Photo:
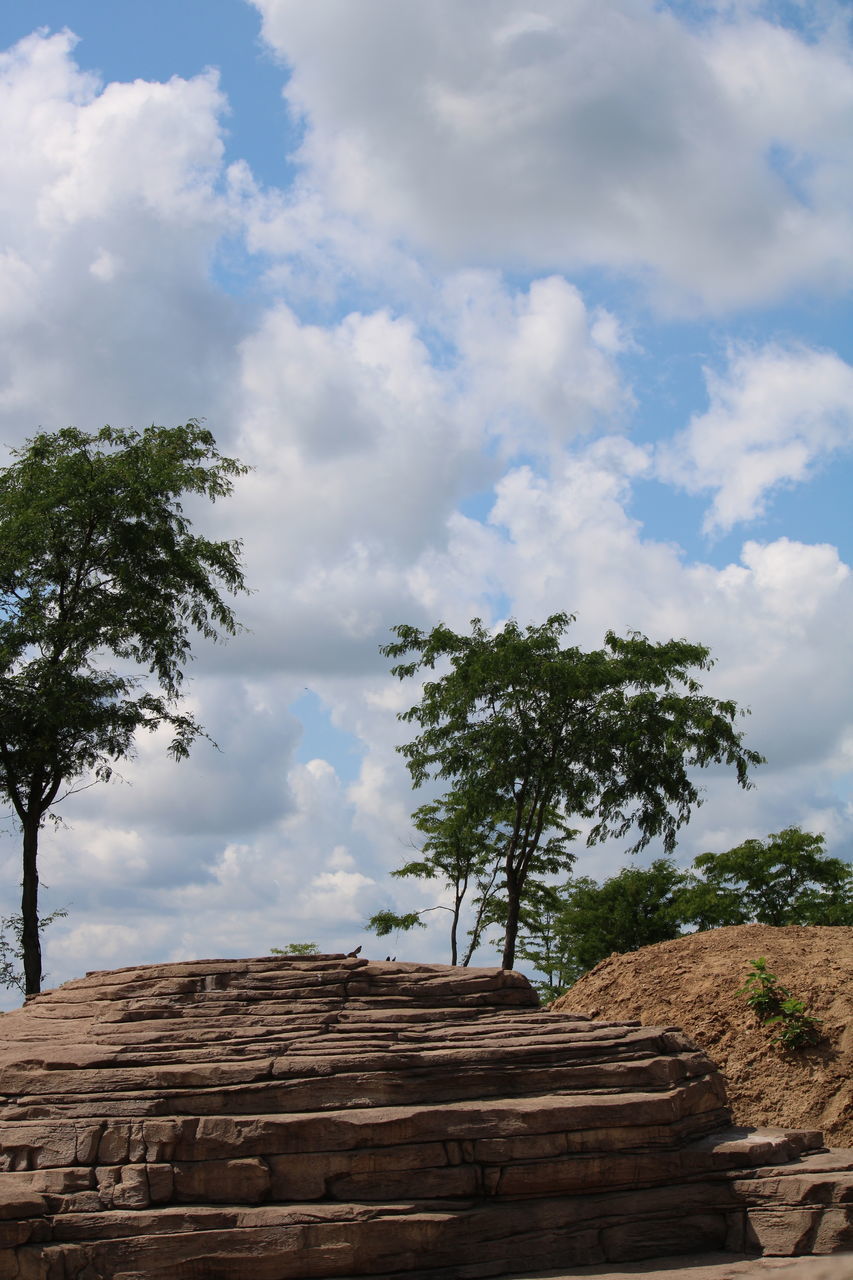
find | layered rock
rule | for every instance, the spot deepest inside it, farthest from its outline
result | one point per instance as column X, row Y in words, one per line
column 328, row 1116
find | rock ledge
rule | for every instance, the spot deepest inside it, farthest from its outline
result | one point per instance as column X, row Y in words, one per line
column 327, row 1116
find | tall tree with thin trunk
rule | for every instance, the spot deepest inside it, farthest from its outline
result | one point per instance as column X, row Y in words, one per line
column 525, row 729
column 460, row 855
column 466, row 857
column 99, row 565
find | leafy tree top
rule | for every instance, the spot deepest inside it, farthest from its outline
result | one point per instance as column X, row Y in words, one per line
column 610, row 734
column 96, row 559
column 786, row 879
column 97, row 553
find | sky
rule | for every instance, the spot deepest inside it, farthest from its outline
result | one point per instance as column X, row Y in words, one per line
column 514, row 307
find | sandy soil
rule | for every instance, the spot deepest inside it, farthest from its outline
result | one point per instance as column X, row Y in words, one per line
column 691, row 983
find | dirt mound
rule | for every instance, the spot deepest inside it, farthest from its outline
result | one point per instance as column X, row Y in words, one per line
column 691, row 983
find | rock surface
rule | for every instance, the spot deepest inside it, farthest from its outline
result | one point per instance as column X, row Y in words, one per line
column 716, row 1266
column 328, row 1116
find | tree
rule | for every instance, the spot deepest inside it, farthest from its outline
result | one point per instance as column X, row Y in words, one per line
column 524, row 729
column 98, row 562
column 637, row 907
column 458, row 852
column 542, row 938
column 11, row 953
column 467, row 854
column 786, row 879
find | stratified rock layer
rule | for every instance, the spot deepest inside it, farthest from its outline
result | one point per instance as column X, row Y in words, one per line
column 327, row 1116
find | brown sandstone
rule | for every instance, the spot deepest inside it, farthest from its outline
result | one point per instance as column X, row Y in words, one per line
column 327, row 1116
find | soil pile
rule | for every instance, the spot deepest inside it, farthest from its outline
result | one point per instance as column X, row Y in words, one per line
column 692, row 983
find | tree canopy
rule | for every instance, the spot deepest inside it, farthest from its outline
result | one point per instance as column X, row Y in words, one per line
column 525, row 729
column 460, row 853
column 786, row 879
column 99, row 563
column 633, row 909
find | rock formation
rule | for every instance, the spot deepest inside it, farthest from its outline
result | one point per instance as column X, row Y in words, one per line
column 328, row 1116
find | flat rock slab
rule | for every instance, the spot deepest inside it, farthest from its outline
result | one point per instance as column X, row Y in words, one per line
column 717, row 1266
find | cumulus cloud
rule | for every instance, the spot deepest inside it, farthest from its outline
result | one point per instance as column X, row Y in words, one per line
column 556, row 136
column 366, row 440
column 348, row 421
column 113, row 200
column 777, row 621
column 535, row 366
column 775, row 414
column 439, row 416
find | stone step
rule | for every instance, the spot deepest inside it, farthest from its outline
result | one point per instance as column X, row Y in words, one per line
column 285, row 1242
column 672, row 1117
column 335, row 1046
column 399, row 982
column 377, row 1089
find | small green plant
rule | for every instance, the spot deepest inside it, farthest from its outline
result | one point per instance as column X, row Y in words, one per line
column 764, row 993
column 296, row 949
column 796, row 1028
column 774, row 1005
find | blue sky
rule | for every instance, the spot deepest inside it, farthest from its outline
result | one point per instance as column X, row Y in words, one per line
column 514, row 308
column 159, row 40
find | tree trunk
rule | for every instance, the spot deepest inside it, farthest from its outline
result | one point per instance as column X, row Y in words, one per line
column 30, row 940
column 513, row 910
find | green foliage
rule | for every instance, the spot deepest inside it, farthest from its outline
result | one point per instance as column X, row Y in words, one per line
column 531, row 734
column 786, row 879
column 296, row 949
column 796, row 1029
column 633, row 909
column 466, row 858
column 542, row 939
column 794, row 882
column 774, row 1006
column 574, row 925
column 790, row 881
column 12, row 952
column 384, row 922
column 460, row 853
column 764, row 993
column 98, row 562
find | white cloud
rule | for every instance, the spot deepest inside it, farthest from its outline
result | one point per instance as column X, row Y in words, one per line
column 777, row 622
column 365, row 442
column 236, row 790
column 112, row 202
column 340, row 895
column 360, row 427
column 534, row 365
column 103, row 946
column 351, row 430
column 528, row 136
column 794, row 580
column 775, row 414
column 554, row 136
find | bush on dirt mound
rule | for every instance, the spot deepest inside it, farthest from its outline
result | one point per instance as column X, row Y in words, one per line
column 692, row 982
